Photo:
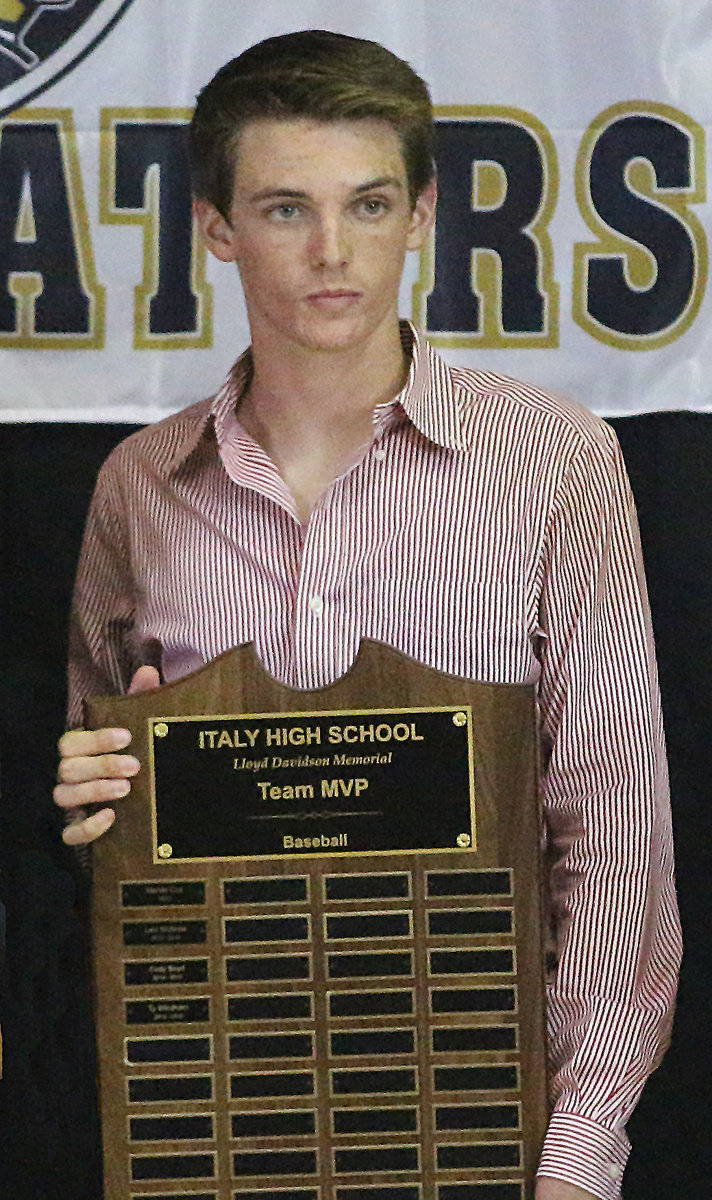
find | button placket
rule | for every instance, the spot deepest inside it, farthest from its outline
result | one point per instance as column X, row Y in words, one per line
column 310, row 604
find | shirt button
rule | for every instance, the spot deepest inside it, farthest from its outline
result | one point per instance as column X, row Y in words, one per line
column 379, row 454
column 316, row 604
column 614, row 1170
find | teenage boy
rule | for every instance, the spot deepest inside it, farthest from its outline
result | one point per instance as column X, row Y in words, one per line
column 345, row 483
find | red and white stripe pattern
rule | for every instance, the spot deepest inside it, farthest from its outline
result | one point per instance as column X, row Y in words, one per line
column 488, row 531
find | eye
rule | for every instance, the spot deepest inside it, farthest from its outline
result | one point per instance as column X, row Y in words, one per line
column 284, row 212
column 373, row 206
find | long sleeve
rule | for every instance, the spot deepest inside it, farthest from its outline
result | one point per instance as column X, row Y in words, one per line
column 103, row 608
column 607, row 812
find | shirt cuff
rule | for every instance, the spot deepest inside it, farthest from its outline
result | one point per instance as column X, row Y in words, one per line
column 586, row 1154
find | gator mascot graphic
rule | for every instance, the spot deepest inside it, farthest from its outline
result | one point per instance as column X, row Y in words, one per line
column 16, row 19
column 42, row 39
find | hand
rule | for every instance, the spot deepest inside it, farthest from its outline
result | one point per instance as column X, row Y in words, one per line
column 556, row 1189
column 92, row 772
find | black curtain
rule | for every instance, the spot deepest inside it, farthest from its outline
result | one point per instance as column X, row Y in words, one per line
column 48, row 1122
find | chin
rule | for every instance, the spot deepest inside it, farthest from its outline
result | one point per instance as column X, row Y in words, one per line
column 336, row 335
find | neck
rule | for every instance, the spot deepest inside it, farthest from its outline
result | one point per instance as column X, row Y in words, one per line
column 315, row 388
column 313, row 411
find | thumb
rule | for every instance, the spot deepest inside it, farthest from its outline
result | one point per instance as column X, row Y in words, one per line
column 145, row 679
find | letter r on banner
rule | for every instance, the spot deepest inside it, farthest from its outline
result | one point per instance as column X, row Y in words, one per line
column 488, row 275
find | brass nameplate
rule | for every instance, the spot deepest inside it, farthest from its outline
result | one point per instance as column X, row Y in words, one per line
column 361, row 781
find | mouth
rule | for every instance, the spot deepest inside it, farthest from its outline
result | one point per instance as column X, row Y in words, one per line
column 334, row 297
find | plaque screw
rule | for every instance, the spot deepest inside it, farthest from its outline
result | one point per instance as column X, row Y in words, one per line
column 161, row 729
column 165, row 850
column 463, row 839
column 459, row 718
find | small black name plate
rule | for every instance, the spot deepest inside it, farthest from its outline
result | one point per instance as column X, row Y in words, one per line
column 175, row 893
column 312, row 783
column 164, row 933
column 172, row 970
column 179, row 1010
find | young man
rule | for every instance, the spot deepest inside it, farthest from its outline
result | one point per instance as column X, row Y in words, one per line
column 345, row 483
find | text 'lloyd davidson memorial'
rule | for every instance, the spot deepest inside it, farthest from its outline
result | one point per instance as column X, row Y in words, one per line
column 317, row 939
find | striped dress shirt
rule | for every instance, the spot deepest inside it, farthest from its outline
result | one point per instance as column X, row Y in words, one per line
column 488, row 531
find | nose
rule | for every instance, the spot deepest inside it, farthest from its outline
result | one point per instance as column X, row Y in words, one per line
column 330, row 243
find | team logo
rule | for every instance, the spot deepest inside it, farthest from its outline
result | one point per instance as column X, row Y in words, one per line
column 40, row 40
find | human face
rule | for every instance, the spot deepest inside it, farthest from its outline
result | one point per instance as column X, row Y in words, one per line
column 319, row 225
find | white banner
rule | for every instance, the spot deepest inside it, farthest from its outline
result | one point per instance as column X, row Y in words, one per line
column 571, row 245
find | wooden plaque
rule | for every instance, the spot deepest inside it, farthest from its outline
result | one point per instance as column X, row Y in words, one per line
column 317, row 939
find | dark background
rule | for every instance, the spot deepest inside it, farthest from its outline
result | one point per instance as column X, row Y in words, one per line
column 48, row 1123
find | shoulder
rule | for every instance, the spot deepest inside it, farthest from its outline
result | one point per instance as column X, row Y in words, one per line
column 157, row 449
column 488, row 399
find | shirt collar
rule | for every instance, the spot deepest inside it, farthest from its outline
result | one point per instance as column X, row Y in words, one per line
column 211, row 416
column 430, row 399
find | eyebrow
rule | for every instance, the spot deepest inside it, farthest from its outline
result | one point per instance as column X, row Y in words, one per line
column 381, row 181
column 293, row 194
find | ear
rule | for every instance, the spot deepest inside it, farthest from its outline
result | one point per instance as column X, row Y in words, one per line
column 423, row 216
column 215, row 231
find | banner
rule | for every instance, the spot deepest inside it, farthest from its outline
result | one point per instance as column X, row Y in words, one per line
column 571, row 243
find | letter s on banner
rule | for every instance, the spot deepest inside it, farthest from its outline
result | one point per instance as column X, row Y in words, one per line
column 639, row 167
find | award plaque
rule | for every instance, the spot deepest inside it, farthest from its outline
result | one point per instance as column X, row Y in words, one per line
column 317, row 939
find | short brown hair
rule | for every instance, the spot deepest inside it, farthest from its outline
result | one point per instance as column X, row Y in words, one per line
column 313, row 73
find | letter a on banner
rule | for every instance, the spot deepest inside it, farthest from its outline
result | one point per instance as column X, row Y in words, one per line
column 49, row 294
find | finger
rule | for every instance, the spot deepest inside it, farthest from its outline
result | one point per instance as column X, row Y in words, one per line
column 88, row 829
column 81, row 769
column 92, row 741
column 98, row 791
column 145, row 678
